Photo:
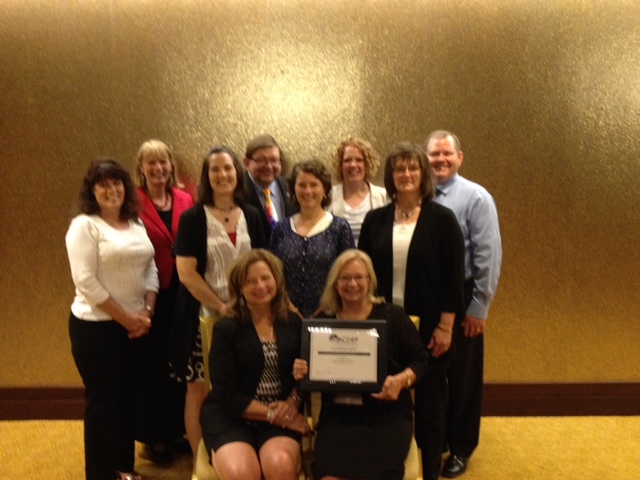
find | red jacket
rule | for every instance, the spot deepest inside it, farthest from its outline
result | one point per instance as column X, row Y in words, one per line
column 160, row 237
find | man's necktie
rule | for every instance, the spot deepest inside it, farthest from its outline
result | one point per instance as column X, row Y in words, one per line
column 272, row 215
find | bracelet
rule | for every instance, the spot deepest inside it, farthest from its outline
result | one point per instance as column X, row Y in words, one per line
column 295, row 398
column 444, row 329
column 408, row 378
column 150, row 310
column 270, row 414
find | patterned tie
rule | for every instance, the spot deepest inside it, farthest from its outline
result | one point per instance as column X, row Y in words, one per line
column 272, row 215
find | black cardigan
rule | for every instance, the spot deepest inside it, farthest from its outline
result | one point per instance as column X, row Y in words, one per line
column 435, row 263
column 186, row 315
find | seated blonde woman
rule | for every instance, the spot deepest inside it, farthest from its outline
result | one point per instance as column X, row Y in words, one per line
column 367, row 436
column 250, row 420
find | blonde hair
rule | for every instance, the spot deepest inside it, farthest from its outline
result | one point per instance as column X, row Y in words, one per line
column 371, row 158
column 331, row 302
column 238, row 276
column 156, row 149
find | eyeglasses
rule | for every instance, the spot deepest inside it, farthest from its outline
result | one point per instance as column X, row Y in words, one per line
column 360, row 279
column 263, row 162
column 412, row 169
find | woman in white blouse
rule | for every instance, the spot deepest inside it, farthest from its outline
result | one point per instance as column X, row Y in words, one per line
column 116, row 282
column 355, row 163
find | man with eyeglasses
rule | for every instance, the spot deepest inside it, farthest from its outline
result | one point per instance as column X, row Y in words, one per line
column 267, row 189
column 476, row 212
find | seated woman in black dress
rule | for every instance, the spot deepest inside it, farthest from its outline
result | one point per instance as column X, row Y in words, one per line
column 367, row 435
column 250, row 420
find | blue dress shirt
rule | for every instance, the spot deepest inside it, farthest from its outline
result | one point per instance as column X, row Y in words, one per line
column 476, row 212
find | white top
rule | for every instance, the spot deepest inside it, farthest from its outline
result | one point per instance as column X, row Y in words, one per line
column 355, row 216
column 402, row 235
column 107, row 262
column 221, row 254
column 320, row 226
column 376, row 198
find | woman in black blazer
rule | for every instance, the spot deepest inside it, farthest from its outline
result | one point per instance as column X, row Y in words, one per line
column 250, row 420
column 417, row 251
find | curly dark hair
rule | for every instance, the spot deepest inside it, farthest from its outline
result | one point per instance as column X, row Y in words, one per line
column 405, row 152
column 205, row 191
column 108, row 169
column 316, row 168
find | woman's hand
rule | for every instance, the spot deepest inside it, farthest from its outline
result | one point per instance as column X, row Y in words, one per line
column 137, row 324
column 286, row 416
column 283, row 413
column 440, row 342
column 391, row 388
column 442, row 335
column 300, row 369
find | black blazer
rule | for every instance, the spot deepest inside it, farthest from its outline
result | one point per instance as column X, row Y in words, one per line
column 236, row 362
column 192, row 241
column 435, row 263
column 255, row 201
column 404, row 349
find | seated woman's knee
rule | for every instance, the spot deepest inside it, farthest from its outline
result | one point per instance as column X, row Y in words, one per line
column 280, row 457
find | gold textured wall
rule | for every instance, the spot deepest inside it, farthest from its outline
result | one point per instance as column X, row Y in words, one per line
column 544, row 95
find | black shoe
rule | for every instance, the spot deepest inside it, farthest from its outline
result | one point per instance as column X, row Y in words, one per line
column 181, row 446
column 158, row 453
column 454, row 466
column 445, row 448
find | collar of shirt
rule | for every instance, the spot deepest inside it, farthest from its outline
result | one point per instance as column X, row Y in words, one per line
column 445, row 188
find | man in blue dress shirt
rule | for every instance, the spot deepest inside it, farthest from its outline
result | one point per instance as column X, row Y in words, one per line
column 478, row 218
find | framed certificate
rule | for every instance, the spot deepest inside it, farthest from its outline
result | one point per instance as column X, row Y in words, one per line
column 344, row 355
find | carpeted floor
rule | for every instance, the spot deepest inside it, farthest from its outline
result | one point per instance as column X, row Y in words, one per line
column 511, row 448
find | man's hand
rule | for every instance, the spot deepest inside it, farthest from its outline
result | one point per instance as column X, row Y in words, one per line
column 473, row 326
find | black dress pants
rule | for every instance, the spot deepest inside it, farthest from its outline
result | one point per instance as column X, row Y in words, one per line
column 159, row 411
column 465, row 378
column 431, row 407
column 102, row 352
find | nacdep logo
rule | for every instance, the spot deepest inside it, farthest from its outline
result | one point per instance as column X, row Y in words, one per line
column 335, row 338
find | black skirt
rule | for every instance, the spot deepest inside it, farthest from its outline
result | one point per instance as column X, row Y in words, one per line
column 350, row 443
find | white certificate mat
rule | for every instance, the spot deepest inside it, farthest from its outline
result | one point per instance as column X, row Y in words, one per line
column 344, row 355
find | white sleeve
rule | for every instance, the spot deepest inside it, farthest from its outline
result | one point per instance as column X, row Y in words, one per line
column 82, row 249
column 151, row 281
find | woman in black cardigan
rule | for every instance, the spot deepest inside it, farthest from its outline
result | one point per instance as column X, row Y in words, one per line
column 210, row 237
column 417, row 251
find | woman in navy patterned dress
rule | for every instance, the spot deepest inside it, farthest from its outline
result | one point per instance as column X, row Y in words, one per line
column 309, row 241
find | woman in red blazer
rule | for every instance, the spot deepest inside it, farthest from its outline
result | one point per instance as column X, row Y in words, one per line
column 160, row 412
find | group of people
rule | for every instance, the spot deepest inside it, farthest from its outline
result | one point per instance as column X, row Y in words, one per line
column 258, row 252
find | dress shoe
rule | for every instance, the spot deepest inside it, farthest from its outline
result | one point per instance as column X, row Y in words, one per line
column 455, row 466
column 158, row 453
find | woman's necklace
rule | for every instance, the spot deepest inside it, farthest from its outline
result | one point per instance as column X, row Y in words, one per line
column 409, row 214
column 226, row 211
column 165, row 204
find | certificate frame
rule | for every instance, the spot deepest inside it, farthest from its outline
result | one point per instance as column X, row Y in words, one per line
column 346, row 349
